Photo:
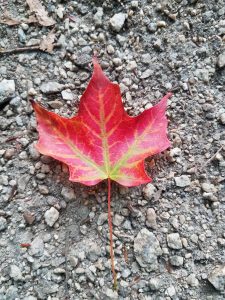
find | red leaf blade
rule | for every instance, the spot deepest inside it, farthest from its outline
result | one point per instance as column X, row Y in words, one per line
column 102, row 141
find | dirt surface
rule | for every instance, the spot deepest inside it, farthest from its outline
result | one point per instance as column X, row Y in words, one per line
column 169, row 236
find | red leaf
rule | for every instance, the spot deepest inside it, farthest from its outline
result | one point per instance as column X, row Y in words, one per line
column 102, row 141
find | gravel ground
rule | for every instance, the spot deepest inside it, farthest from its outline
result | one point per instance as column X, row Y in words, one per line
column 169, row 235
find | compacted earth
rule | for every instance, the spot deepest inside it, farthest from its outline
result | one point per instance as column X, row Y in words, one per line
column 169, row 235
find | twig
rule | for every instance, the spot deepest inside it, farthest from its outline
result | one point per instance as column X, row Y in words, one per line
column 23, row 49
column 211, row 158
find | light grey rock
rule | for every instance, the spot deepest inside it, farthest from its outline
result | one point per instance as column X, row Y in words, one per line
column 3, row 224
column 176, row 260
column 4, row 180
column 147, row 73
column 4, row 123
column 171, row 291
column 15, row 273
column 51, row 216
column 146, row 58
column 151, row 218
column 182, row 181
column 149, row 191
column 221, row 60
column 7, row 89
column 209, row 187
column 67, row 94
column 21, row 35
column 117, row 21
column 110, row 294
column 103, row 217
column 68, row 193
column 37, row 247
column 155, row 284
column 175, row 152
column 93, row 251
column 110, row 49
column 3, row 70
column 22, row 182
column 51, row 87
column 126, row 273
column 30, row 298
column 98, row 16
column 217, row 278
column 11, row 293
column 60, row 11
column 202, row 74
column 152, row 27
column 192, row 280
column 222, row 118
column 174, row 241
column 118, row 220
column 147, row 249
column 33, row 152
column 158, row 44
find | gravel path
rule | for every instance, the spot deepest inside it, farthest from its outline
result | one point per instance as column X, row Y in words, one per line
column 169, row 235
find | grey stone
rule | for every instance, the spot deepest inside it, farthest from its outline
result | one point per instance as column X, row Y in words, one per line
column 126, row 273
column 98, row 16
column 60, row 11
column 221, row 60
column 4, row 180
column 147, row 73
column 158, row 44
column 118, row 220
column 51, row 87
column 217, row 278
column 15, row 273
column 117, row 21
column 16, row 101
column 155, row 284
column 21, row 35
column 147, row 249
column 67, row 95
column 33, row 152
column 192, row 280
column 110, row 294
column 68, row 193
column 174, row 241
column 22, row 182
column 30, row 298
column 146, row 58
column 4, row 123
column 171, row 291
column 7, row 89
column 202, row 74
column 149, row 191
column 176, row 260
column 209, row 187
column 93, row 251
column 37, row 247
column 222, row 118
column 182, row 181
column 110, row 49
column 152, row 27
column 51, row 216
column 151, row 218
column 11, row 293
column 103, row 217
column 3, row 224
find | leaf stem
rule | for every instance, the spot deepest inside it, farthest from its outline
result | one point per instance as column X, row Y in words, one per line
column 111, row 237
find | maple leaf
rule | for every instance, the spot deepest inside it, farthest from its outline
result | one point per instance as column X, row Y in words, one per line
column 102, row 141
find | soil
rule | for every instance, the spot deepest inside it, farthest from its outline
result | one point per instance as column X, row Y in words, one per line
column 169, row 236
